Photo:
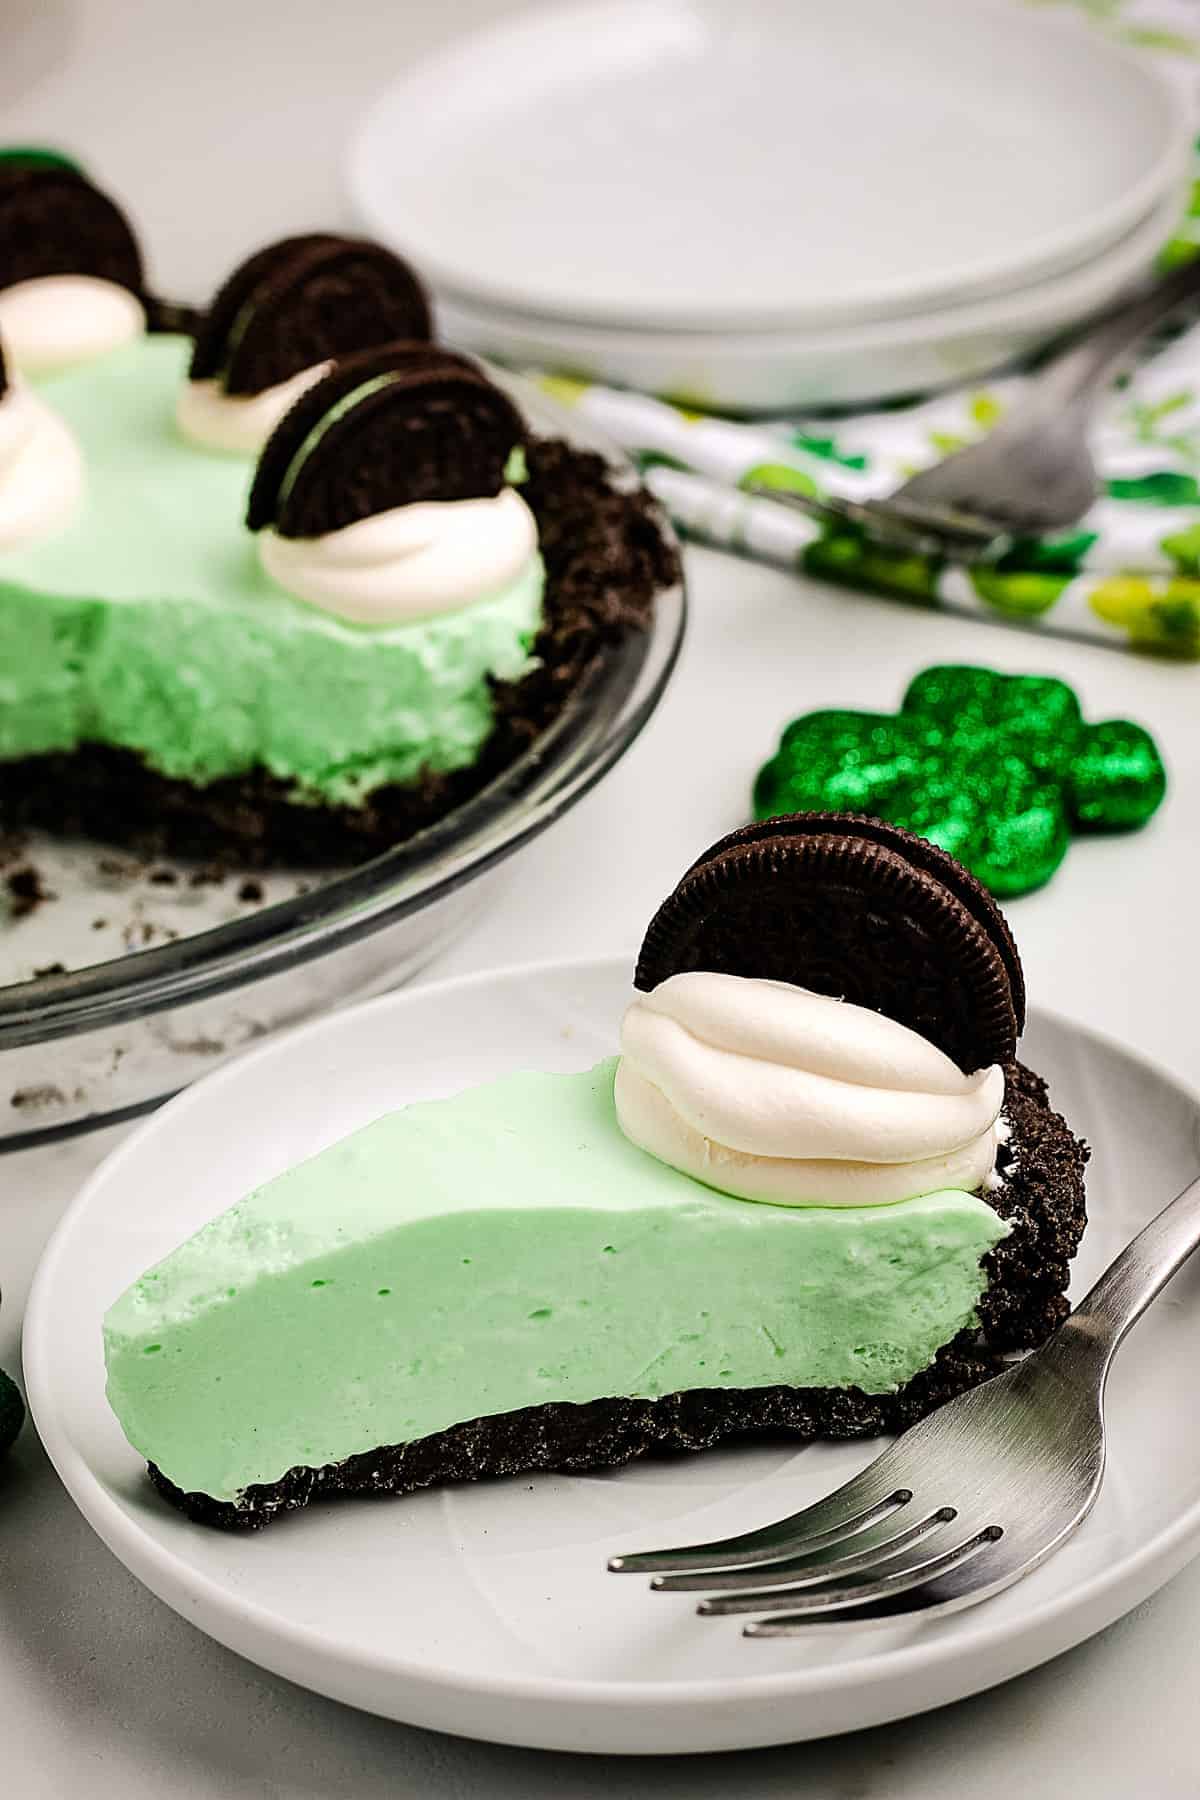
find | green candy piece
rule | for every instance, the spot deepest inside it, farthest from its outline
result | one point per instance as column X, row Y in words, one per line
column 975, row 706
column 844, row 761
column 1026, row 836
column 12, row 1412
column 996, row 769
column 1117, row 778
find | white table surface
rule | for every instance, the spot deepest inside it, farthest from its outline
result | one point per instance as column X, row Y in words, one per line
column 221, row 125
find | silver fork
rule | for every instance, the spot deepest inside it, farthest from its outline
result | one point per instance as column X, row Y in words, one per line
column 1034, row 471
column 962, row 1504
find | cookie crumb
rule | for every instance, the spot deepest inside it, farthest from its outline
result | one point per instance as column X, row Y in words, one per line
column 46, row 1094
column 26, row 890
column 118, row 868
column 250, row 891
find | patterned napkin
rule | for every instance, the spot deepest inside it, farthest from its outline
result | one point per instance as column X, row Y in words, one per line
column 1128, row 574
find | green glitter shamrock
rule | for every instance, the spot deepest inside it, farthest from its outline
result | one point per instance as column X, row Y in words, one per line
column 997, row 769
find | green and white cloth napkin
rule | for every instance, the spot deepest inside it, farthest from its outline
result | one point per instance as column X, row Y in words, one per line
column 1128, row 574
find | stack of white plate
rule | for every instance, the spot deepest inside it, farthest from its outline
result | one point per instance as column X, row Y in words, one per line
column 762, row 204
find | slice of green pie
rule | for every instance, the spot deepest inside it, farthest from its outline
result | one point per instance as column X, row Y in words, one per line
column 781, row 1211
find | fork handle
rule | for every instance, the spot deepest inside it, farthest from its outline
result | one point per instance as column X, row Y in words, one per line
column 1078, row 374
column 1137, row 1276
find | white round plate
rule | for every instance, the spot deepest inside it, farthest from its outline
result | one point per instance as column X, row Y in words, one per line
column 747, row 163
column 782, row 371
column 487, row 1611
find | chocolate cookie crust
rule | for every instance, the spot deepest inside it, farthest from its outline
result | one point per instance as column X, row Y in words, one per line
column 606, row 559
column 1040, row 1190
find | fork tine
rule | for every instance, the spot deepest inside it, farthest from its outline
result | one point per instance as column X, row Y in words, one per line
column 836, row 1597
column 967, row 1584
column 866, row 1500
column 879, row 1545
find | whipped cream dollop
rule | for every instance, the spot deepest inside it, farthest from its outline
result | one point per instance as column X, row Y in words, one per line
column 41, row 469
column 768, row 1092
column 56, row 320
column 411, row 562
column 240, row 423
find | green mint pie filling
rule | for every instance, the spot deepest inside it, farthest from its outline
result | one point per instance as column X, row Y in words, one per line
column 509, row 1247
column 148, row 624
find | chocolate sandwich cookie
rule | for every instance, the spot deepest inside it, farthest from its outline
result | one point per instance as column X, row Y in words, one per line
column 387, row 427
column 54, row 221
column 856, row 909
column 301, row 302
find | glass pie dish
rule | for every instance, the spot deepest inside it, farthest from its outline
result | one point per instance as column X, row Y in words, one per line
column 139, row 978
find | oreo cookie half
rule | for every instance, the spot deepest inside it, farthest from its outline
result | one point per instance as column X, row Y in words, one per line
column 53, row 221
column 854, row 908
column 390, row 426
column 303, row 301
